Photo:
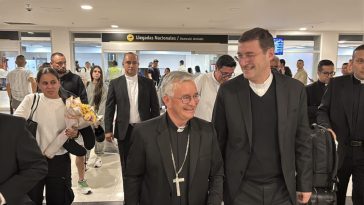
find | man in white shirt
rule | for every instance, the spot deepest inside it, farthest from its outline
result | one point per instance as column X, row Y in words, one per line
column 208, row 84
column 301, row 74
column 135, row 99
column 20, row 82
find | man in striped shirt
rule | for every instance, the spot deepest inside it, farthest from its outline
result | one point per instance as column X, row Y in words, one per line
column 20, row 82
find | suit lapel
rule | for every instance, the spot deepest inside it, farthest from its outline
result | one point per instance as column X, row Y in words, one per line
column 243, row 91
column 165, row 150
column 124, row 91
column 282, row 99
column 195, row 139
column 348, row 96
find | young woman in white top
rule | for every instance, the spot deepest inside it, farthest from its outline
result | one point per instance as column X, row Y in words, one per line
column 50, row 116
column 97, row 94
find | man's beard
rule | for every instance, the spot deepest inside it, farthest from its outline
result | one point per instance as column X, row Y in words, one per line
column 61, row 71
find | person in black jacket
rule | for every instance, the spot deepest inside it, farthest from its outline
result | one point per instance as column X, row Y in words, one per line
column 342, row 112
column 74, row 84
column 22, row 163
column 315, row 91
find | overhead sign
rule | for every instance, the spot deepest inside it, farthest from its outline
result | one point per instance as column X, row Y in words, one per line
column 182, row 38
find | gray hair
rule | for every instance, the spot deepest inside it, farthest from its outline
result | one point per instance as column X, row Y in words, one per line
column 173, row 78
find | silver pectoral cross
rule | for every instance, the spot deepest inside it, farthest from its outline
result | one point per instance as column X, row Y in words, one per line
column 177, row 181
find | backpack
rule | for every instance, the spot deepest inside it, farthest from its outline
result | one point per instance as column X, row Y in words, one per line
column 325, row 166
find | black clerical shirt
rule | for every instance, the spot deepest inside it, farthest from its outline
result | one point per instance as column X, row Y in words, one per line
column 178, row 141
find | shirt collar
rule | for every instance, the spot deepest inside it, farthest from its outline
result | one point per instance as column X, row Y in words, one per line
column 214, row 79
column 133, row 78
column 361, row 81
column 266, row 83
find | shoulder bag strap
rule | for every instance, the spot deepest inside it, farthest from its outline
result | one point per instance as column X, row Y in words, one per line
column 36, row 105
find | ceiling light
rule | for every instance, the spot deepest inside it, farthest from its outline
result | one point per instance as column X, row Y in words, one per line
column 114, row 26
column 86, row 7
column 303, row 29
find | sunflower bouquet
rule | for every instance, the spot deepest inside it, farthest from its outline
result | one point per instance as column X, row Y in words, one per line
column 80, row 115
column 77, row 116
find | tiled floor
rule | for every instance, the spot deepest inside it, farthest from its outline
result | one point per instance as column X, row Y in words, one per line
column 106, row 181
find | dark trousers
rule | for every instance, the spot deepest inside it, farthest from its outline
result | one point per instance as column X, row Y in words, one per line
column 124, row 146
column 353, row 165
column 253, row 193
column 57, row 182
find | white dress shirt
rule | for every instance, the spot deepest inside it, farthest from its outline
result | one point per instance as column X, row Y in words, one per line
column 132, row 85
column 207, row 87
column 261, row 89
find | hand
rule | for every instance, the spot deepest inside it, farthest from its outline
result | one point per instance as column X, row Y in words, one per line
column 71, row 132
column 303, row 197
column 109, row 136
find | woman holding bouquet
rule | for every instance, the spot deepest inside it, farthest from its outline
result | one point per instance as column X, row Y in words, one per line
column 97, row 93
column 50, row 116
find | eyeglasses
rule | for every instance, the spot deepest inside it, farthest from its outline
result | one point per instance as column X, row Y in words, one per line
column 187, row 98
column 226, row 74
column 248, row 56
column 328, row 73
column 131, row 62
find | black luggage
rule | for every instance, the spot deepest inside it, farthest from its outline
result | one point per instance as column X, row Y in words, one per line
column 325, row 165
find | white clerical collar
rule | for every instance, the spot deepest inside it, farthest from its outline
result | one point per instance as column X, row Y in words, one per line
column 261, row 89
column 361, row 81
column 20, row 68
column 132, row 78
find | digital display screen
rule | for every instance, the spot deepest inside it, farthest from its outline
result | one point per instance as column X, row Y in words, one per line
column 278, row 46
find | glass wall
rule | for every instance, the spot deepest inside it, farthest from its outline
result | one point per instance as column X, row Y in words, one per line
column 346, row 46
column 306, row 48
column 87, row 48
column 37, row 49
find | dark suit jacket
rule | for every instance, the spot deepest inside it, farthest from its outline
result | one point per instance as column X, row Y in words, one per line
column 315, row 91
column 149, row 173
column 22, row 163
column 336, row 110
column 233, row 122
column 117, row 96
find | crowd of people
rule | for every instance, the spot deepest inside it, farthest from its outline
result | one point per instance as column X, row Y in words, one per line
column 240, row 140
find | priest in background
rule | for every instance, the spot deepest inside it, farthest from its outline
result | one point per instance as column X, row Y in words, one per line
column 175, row 158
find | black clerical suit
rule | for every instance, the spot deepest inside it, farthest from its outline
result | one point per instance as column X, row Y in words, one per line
column 150, row 173
column 241, row 140
column 22, row 163
column 117, row 97
column 342, row 110
column 315, row 91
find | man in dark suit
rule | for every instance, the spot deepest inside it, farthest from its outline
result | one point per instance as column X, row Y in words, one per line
column 261, row 123
column 22, row 163
column 315, row 91
column 136, row 100
column 342, row 111
column 175, row 158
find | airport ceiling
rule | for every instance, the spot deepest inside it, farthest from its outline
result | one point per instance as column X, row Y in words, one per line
column 185, row 16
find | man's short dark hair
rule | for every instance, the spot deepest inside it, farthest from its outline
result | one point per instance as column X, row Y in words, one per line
column 324, row 63
column 359, row 48
column 283, row 62
column 344, row 64
column 300, row 60
column 225, row 60
column 20, row 57
column 56, row 54
column 262, row 35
